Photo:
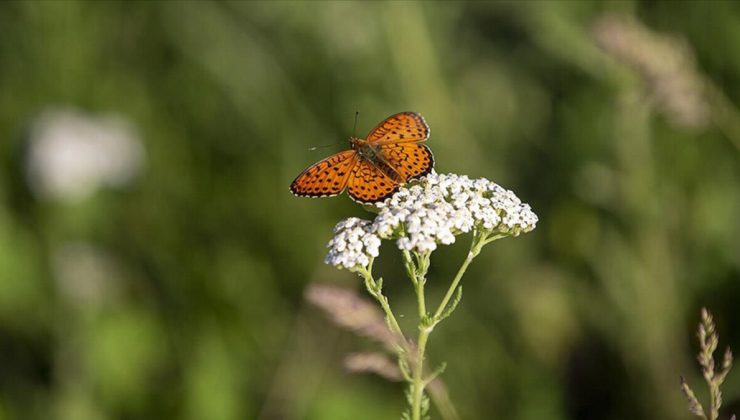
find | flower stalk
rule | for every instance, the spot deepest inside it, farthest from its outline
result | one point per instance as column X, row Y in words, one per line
column 375, row 289
column 420, row 218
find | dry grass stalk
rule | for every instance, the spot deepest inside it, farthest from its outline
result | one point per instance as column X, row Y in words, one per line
column 666, row 64
column 708, row 342
column 351, row 312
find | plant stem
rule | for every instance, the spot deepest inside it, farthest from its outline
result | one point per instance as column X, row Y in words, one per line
column 419, row 383
column 395, row 328
column 421, row 279
column 453, row 285
column 714, row 397
column 426, row 324
column 420, row 300
column 410, row 266
column 474, row 249
column 376, row 292
column 419, row 269
column 479, row 241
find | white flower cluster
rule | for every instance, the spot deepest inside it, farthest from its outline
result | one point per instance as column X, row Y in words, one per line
column 354, row 244
column 432, row 212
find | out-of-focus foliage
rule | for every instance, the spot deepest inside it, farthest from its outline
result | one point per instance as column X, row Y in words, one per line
column 177, row 291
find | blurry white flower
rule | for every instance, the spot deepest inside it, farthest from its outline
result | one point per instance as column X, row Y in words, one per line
column 354, row 244
column 72, row 154
column 433, row 212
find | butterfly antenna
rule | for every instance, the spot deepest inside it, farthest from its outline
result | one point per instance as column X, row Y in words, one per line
column 357, row 117
column 311, row 149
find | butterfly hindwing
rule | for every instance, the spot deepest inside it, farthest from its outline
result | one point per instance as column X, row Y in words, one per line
column 404, row 127
column 368, row 184
column 408, row 160
column 327, row 177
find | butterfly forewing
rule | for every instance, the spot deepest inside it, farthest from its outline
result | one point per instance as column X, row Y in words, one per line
column 404, row 127
column 327, row 177
column 368, row 184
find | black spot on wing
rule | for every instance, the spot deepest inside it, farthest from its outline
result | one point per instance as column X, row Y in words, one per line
column 429, row 168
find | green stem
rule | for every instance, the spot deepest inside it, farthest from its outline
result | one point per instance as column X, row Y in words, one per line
column 420, row 299
column 376, row 292
column 488, row 239
column 474, row 250
column 426, row 324
column 395, row 328
column 418, row 384
column 479, row 241
column 421, row 280
column 410, row 266
column 419, row 266
column 416, row 268
column 453, row 285
column 418, row 379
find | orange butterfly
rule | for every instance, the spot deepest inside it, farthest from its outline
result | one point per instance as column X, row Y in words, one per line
column 374, row 168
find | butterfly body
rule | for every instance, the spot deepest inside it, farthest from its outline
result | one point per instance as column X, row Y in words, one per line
column 362, row 148
column 374, row 167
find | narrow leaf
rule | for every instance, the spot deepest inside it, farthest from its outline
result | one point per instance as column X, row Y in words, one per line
column 452, row 305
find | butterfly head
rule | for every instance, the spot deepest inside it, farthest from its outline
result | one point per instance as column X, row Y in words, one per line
column 355, row 143
column 364, row 149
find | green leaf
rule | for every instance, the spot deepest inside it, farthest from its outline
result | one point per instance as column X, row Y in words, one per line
column 438, row 371
column 452, row 305
column 425, row 404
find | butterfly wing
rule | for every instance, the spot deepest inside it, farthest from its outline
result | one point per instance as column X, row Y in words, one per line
column 369, row 184
column 400, row 158
column 404, row 127
column 326, row 178
column 408, row 160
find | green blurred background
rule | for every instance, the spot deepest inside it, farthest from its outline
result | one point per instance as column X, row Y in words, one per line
column 172, row 287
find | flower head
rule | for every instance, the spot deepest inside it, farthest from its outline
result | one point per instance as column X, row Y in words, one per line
column 354, row 244
column 442, row 206
column 432, row 212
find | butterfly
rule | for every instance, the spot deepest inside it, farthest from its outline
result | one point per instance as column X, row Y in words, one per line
column 374, row 167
